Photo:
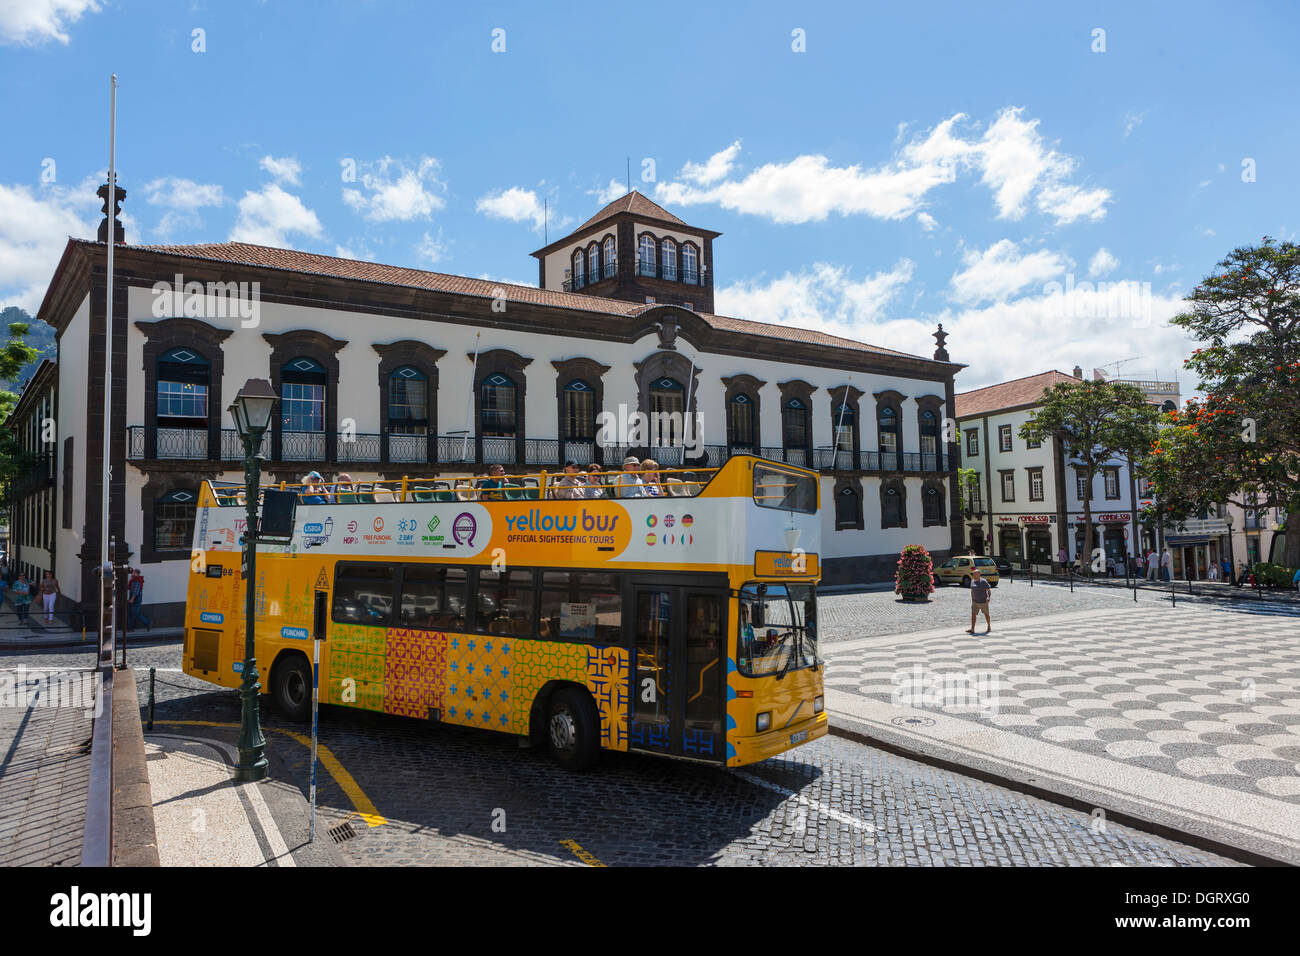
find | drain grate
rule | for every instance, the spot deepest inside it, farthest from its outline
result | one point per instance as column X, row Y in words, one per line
column 342, row 832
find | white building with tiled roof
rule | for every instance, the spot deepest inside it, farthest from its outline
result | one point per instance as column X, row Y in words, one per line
column 384, row 371
column 1029, row 501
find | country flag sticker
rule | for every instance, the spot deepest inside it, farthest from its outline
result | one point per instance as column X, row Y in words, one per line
column 651, row 538
column 651, row 521
column 687, row 521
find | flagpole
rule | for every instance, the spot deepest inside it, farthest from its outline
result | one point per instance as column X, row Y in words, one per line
column 106, row 626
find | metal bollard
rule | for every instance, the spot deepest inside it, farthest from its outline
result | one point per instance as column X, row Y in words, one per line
column 152, row 675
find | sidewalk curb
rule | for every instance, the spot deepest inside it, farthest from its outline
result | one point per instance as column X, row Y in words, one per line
column 847, row 729
column 90, row 644
column 135, row 840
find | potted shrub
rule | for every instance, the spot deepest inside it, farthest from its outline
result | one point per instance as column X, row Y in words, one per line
column 914, row 579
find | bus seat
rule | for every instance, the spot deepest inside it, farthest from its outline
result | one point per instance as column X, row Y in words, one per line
column 465, row 492
column 384, row 495
column 365, row 495
column 514, row 492
column 676, row 487
column 444, row 496
column 423, row 494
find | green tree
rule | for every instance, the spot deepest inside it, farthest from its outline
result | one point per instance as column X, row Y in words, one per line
column 1241, row 443
column 15, row 354
column 1095, row 423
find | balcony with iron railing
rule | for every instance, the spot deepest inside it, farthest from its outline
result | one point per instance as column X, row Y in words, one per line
column 150, row 444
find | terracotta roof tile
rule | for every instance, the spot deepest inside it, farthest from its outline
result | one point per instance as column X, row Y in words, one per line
column 633, row 202
column 291, row 260
column 1012, row 394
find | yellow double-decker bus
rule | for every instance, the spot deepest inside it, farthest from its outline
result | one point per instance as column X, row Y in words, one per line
column 682, row 624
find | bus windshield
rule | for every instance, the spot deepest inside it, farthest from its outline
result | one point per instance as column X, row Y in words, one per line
column 778, row 629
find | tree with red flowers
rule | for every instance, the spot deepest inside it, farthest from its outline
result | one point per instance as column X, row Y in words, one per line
column 1241, row 443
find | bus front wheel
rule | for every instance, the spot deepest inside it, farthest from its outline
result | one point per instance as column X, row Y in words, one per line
column 573, row 728
column 291, row 687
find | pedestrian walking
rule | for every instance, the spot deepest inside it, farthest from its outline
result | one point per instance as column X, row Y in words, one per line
column 22, row 592
column 1153, row 565
column 49, row 592
column 980, row 592
column 1110, row 566
column 1167, row 565
column 135, row 601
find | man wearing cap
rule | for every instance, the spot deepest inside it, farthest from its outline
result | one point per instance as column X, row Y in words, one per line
column 629, row 484
column 313, row 489
column 570, row 485
column 980, row 592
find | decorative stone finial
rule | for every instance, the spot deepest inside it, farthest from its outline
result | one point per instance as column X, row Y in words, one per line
column 940, row 353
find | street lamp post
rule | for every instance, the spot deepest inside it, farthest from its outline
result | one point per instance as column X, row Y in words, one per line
column 1232, row 560
column 251, row 411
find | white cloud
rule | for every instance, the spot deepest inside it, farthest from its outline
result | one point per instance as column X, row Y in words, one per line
column 824, row 297
column 34, row 229
column 1102, row 263
column 32, row 22
column 1131, row 122
column 1068, row 204
column 283, row 170
column 609, row 193
column 716, row 167
column 267, row 217
column 392, row 190
column 1000, row 270
column 928, row 222
column 183, row 199
column 1089, row 325
column 513, row 204
column 360, row 253
column 1010, row 158
column 431, row 248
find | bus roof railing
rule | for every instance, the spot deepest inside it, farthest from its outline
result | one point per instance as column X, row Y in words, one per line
column 534, row 486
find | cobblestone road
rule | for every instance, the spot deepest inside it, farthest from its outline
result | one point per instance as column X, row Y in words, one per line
column 836, row 802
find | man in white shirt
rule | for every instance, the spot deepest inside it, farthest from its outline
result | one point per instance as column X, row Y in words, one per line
column 1167, row 565
column 1153, row 565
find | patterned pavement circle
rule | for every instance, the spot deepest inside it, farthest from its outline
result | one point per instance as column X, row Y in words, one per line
column 1219, row 703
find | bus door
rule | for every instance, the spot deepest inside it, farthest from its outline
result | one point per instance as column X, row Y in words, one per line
column 679, row 674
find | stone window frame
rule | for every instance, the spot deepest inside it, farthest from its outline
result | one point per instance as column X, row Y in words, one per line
column 198, row 336
column 1036, row 471
column 1009, row 444
column 1003, row 475
column 608, row 262
column 157, row 486
column 699, row 262
column 68, row 482
column 751, row 388
column 972, row 442
column 798, row 389
column 591, row 372
column 1110, row 472
column 654, row 272
column 321, row 349
column 933, row 404
column 512, row 365
column 845, row 485
column 424, row 359
column 939, row 490
column 891, row 399
column 899, row 486
column 1080, row 476
column 850, row 397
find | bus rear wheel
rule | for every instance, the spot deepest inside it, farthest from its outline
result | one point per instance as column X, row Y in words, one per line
column 965, row 582
column 573, row 728
column 291, row 687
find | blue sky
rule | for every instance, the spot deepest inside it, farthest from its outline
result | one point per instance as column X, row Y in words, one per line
column 911, row 165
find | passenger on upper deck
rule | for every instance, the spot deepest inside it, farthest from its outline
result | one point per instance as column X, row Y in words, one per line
column 595, row 487
column 490, row 487
column 629, row 484
column 569, row 485
column 650, row 475
column 314, row 491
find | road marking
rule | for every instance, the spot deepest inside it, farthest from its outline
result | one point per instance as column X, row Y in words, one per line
column 345, row 780
column 580, row 853
column 837, row 815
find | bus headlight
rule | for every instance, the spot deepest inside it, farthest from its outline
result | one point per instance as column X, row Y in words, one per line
column 819, row 705
column 764, row 721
